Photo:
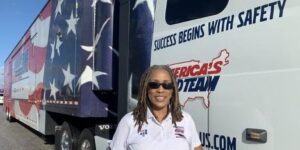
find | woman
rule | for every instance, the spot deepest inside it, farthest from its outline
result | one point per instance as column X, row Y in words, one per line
column 157, row 123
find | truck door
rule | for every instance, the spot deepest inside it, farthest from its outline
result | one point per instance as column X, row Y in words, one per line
column 252, row 108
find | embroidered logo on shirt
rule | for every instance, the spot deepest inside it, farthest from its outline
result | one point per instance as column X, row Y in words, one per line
column 143, row 132
column 179, row 132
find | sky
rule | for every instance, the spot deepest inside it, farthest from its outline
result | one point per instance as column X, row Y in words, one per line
column 16, row 17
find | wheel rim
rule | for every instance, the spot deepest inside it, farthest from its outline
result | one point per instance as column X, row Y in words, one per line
column 65, row 142
column 86, row 145
column 7, row 114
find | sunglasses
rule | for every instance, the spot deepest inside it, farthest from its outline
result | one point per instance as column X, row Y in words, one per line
column 156, row 85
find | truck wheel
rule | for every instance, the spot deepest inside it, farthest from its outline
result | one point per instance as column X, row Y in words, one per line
column 9, row 118
column 86, row 140
column 66, row 138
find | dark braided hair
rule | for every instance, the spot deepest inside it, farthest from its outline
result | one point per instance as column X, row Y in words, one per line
column 140, row 111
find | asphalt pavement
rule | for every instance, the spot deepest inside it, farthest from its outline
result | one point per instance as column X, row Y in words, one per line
column 18, row 136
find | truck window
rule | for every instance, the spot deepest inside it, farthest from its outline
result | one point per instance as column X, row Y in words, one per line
column 176, row 12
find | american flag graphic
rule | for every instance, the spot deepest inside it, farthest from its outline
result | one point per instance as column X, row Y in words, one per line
column 69, row 60
column 66, row 63
column 79, row 57
column 24, row 71
column 142, row 25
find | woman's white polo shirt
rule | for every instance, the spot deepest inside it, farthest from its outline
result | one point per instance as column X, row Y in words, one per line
column 155, row 135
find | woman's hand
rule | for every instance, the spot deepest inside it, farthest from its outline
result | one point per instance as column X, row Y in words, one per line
column 198, row 148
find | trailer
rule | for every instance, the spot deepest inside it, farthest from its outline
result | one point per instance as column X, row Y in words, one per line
column 74, row 74
column 62, row 77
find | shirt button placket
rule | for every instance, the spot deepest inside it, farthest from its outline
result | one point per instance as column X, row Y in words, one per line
column 163, row 126
column 161, row 132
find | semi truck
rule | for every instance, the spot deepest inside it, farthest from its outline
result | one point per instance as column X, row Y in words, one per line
column 75, row 72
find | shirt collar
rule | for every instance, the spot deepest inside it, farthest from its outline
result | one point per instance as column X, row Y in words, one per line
column 150, row 115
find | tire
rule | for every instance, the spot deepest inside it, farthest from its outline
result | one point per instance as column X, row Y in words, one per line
column 67, row 137
column 9, row 118
column 86, row 140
